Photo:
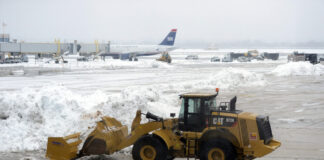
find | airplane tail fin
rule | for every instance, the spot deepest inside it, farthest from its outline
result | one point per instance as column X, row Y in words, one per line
column 170, row 38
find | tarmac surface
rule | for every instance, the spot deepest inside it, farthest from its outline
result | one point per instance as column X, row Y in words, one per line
column 294, row 103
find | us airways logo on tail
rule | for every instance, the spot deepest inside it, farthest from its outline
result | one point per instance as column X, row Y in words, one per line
column 169, row 39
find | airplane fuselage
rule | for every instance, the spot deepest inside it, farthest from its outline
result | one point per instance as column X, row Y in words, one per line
column 139, row 48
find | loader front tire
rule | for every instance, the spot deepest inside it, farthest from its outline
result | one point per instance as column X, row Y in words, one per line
column 218, row 150
column 149, row 148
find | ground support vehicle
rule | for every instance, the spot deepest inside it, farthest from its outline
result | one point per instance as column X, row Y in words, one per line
column 296, row 57
column 192, row 57
column 227, row 58
column 215, row 59
column 165, row 57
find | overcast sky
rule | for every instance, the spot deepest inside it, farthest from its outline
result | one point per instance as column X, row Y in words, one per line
column 124, row 21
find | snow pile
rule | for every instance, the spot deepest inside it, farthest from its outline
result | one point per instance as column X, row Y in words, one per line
column 298, row 69
column 231, row 78
column 149, row 98
column 31, row 115
column 35, row 114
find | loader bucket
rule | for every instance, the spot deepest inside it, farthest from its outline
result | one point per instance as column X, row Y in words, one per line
column 108, row 134
column 63, row 148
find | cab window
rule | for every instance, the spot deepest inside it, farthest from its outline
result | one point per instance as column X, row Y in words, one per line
column 193, row 105
column 181, row 114
column 210, row 105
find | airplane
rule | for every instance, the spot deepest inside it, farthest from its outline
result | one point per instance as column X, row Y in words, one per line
column 131, row 52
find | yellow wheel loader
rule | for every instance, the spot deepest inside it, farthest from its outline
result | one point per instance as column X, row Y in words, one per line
column 165, row 57
column 203, row 129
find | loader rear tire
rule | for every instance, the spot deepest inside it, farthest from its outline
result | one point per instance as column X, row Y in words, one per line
column 149, row 148
column 218, row 150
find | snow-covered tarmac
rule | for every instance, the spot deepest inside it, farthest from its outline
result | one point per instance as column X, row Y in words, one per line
column 41, row 100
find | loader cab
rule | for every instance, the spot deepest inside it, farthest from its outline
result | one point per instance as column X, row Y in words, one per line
column 195, row 109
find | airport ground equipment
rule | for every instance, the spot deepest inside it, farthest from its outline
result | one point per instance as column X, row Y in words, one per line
column 165, row 57
column 297, row 57
column 215, row 59
column 321, row 60
column 251, row 54
column 227, row 58
column 192, row 57
column 203, row 129
column 272, row 56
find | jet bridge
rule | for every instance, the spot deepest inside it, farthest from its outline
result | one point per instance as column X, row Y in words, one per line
column 55, row 48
